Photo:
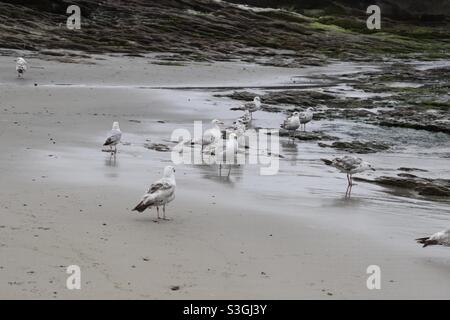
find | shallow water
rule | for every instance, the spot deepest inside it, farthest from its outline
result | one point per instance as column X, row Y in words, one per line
column 303, row 186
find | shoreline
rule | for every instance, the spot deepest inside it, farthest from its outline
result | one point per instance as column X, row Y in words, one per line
column 63, row 203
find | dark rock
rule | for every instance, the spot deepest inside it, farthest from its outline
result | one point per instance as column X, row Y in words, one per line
column 416, row 185
column 307, row 135
column 411, row 169
column 357, row 146
column 157, row 147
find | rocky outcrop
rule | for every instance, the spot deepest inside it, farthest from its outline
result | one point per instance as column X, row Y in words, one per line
column 360, row 147
column 426, row 187
column 205, row 30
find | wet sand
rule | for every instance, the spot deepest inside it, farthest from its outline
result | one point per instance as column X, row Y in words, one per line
column 287, row 236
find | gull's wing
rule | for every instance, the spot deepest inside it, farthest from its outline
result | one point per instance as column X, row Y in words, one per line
column 159, row 186
column 113, row 137
column 161, row 191
column 347, row 163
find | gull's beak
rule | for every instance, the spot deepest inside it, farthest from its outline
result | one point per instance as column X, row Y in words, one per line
column 373, row 169
column 220, row 122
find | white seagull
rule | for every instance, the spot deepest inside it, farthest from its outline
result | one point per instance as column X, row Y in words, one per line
column 160, row 193
column 440, row 238
column 114, row 137
column 239, row 129
column 212, row 135
column 253, row 106
column 246, row 118
column 21, row 66
column 228, row 154
column 349, row 165
column 292, row 123
column 306, row 117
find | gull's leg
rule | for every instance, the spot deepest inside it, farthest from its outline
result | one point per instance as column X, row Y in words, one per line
column 157, row 212
column 164, row 212
column 348, row 179
column 220, row 169
column 229, row 170
column 351, row 180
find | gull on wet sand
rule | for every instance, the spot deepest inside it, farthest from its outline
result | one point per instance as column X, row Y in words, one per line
column 227, row 154
column 292, row 123
column 441, row 238
column 349, row 165
column 253, row 106
column 114, row 137
column 306, row 117
column 211, row 135
column 160, row 193
column 245, row 119
column 21, row 66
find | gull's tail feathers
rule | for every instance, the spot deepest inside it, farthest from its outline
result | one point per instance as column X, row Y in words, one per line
column 427, row 242
column 141, row 207
column 108, row 142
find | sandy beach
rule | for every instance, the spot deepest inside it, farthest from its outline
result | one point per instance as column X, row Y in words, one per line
column 289, row 236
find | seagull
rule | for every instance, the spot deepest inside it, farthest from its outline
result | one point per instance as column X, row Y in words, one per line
column 21, row 66
column 160, row 193
column 246, row 118
column 253, row 106
column 306, row 117
column 349, row 165
column 239, row 129
column 114, row 137
column 292, row 123
column 228, row 154
column 211, row 135
column 440, row 238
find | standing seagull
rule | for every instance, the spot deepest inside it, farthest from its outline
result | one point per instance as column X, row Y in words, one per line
column 228, row 154
column 349, row 165
column 160, row 193
column 21, row 66
column 114, row 137
column 253, row 106
column 291, row 124
column 306, row 117
column 211, row 135
column 440, row 238
column 246, row 118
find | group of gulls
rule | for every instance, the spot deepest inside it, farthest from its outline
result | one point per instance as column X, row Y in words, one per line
column 298, row 120
column 162, row 191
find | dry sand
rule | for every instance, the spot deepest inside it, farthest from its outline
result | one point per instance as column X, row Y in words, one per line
column 64, row 202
